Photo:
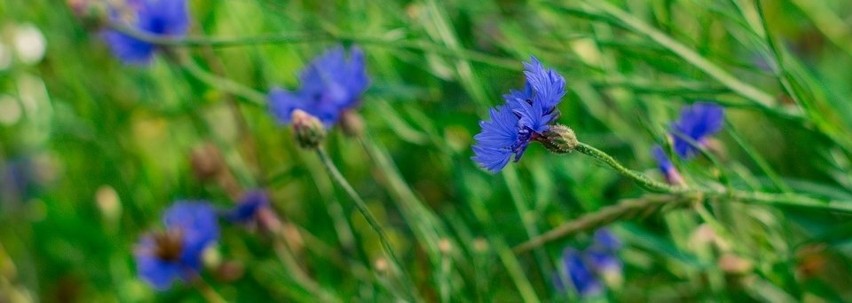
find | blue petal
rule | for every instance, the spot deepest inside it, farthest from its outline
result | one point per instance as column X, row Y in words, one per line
column 127, row 49
column 330, row 85
column 548, row 85
column 582, row 278
column 496, row 143
column 605, row 239
column 160, row 274
column 197, row 222
column 697, row 122
column 282, row 103
column 663, row 163
column 248, row 207
column 157, row 17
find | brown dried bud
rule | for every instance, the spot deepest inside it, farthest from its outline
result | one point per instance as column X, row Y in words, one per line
column 351, row 123
column 207, row 162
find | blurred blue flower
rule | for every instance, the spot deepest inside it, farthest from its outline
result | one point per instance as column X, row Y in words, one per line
column 248, row 207
column 666, row 167
column 588, row 269
column 525, row 117
column 17, row 180
column 697, row 122
column 154, row 17
column 583, row 279
column 176, row 252
column 331, row 85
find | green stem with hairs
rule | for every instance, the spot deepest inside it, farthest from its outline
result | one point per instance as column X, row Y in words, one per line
column 637, row 177
column 371, row 219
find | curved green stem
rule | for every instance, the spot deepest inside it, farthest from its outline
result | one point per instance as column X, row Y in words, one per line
column 371, row 220
column 420, row 45
column 637, row 177
column 243, row 92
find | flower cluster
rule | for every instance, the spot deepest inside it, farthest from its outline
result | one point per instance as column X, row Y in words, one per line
column 527, row 116
column 175, row 253
column 589, row 270
column 331, row 86
column 168, row 18
column 696, row 124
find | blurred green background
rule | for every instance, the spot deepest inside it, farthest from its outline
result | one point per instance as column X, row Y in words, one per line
column 102, row 148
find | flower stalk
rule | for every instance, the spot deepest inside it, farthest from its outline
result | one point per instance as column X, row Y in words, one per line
column 362, row 208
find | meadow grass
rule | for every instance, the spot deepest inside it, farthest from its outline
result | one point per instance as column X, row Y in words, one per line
column 765, row 216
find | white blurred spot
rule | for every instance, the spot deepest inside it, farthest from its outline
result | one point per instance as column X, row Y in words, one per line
column 29, row 43
column 10, row 110
column 5, row 56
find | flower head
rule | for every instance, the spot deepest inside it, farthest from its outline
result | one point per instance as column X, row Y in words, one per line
column 248, row 207
column 527, row 116
column 666, row 167
column 590, row 269
column 697, row 122
column 331, row 84
column 582, row 277
column 176, row 252
column 154, row 17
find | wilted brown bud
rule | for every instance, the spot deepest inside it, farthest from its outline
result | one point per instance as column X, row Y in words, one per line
column 207, row 162
column 352, row 124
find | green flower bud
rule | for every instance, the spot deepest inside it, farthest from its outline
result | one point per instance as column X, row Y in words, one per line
column 559, row 139
column 308, row 130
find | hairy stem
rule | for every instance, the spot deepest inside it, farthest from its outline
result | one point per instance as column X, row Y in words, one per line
column 362, row 208
column 637, row 177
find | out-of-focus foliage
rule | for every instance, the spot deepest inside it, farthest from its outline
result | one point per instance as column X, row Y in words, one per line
column 92, row 150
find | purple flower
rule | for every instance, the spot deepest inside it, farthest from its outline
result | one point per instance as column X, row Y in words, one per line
column 525, row 117
column 154, row 17
column 666, row 167
column 248, row 207
column 583, row 279
column 697, row 122
column 175, row 253
column 588, row 269
column 331, row 85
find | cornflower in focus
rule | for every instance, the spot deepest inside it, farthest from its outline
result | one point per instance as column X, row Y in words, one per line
column 168, row 18
column 696, row 124
column 175, row 253
column 527, row 116
column 332, row 86
column 589, row 270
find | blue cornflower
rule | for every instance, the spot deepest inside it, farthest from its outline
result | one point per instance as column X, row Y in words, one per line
column 666, row 167
column 17, row 180
column 331, row 85
column 527, row 116
column 176, row 252
column 697, row 122
column 583, row 279
column 155, row 17
column 589, row 268
column 248, row 207
column 602, row 254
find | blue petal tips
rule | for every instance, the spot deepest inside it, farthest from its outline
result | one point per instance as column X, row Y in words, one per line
column 527, row 116
column 331, row 85
column 248, row 207
column 175, row 253
column 697, row 122
column 591, row 269
column 154, row 17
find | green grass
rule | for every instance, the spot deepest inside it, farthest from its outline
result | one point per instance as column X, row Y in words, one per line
column 776, row 195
